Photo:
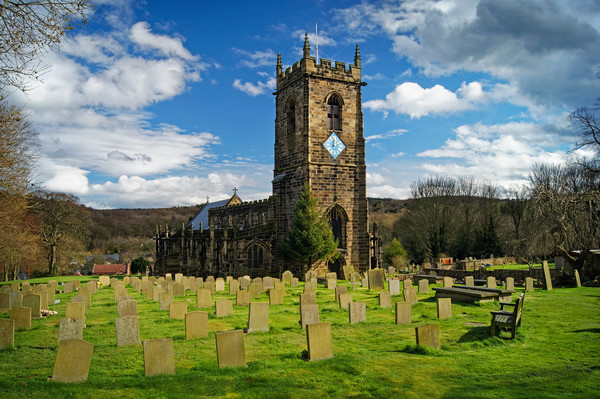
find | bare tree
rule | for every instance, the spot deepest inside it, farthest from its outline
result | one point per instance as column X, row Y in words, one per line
column 28, row 28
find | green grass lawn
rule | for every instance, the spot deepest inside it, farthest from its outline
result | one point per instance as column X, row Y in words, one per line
column 556, row 352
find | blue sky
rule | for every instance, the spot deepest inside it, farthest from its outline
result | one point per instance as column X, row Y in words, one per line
column 157, row 104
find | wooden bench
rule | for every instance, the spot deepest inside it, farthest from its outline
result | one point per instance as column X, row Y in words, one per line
column 510, row 319
column 465, row 294
column 503, row 294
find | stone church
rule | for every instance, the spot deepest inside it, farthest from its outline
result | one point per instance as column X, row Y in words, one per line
column 318, row 141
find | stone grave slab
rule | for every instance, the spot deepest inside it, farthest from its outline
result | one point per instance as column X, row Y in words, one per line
column 276, row 297
column 357, row 312
column 70, row 329
column 75, row 310
column 73, row 359
column 385, row 299
column 203, row 298
column 104, row 280
column 268, row 283
column 230, row 349
column 7, row 333
column 258, row 317
column 178, row 290
column 165, row 300
column 5, row 301
column 196, row 324
column 68, row 287
column 308, row 298
column 331, row 276
column 128, row 330
column 469, row 281
column 177, row 310
column 224, row 307
column 403, row 313
column 255, row 289
column 156, row 293
column 529, row 284
column 394, row 287
column 210, row 286
column 577, row 279
column 423, row 286
column 309, row 275
column 410, row 295
column 286, row 277
column 294, row 282
column 220, row 285
column 234, row 287
column 319, row 341
column 178, row 277
column 244, row 283
column 33, row 301
column 309, row 314
column 119, row 292
column 242, row 298
column 376, row 280
column 331, row 284
column 310, row 285
column 340, row 289
column 547, row 278
column 345, row 300
column 159, row 357
column 444, row 308
column 509, row 283
column 21, row 317
column 491, row 282
column 428, row 335
column 448, row 282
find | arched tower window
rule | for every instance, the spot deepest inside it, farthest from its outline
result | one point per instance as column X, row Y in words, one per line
column 334, row 112
column 291, row 116
column 256, row 257
column 337, row 220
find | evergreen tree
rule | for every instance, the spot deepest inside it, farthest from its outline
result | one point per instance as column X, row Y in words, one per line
column 395, row 254
column 311, row 239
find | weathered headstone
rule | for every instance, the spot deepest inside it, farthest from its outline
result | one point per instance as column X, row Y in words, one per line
column 234, row 286
column 407, row 283
column 196, row 324
column 364, row 282
column 203, row 298
column 230, row 349
column 491, row 282
column 128, row 330
column 177, row 310
column 178, row 277
column 410, row 295
column 242, row 298
column 286, row 277
column 357, row 312
column 403, row 313
column 33, row 301
column 385, row 299
column 73, row 360
column 169, row 277
column 577, row 278
column 178, row 290
column 428, row 335
column 376, row 280
column 391, row 270
column 220, row 285
column 156, row 293
column 448, row 282
column 394, row 287
column 309, row 314
column 308, row 298
column 319, row 342
column 224, row 307
column 309, row 275
column 5, row 301
column 7, row 333
column 423, row 286
column 258, row 317
column 469, row 281
column 341, row 289
column 21, row 316
column 255, row 289
column 165, row 300
column 159, row 357
column 104, row 281
column 509, row 283
column 310, row 285
column 75, row 310
column 331, row 276
column 43, row 293
column 444, row 308
column 529, row 284
column 268, row 283
column 294, row 282
column 70, row 329
column 275, row 297
column 345, row 300
column 68, row 287
column 547, row 278
column 331, row 284
column 119, row 292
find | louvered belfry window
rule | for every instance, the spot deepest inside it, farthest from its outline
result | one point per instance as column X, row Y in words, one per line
column 334, row 118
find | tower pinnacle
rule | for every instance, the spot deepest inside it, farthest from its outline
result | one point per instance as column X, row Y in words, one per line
column 306, row 49
column 357, row 57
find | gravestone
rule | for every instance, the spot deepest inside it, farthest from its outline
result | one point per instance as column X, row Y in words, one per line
column 423, row 286
column 67, row 287
column 209, row 286
column 159, row 357
column 280, row 286
column 319, row 342
column 410, row 295
column 79, row 298
column 310, row 285
column 331, row 276
column 73, row 359
column 244, row 283
column 286, row 277
column 258, row 317
column 33, row 301
column 331, row 284
column 196, row 324
column 165, row 300
column 119, row 292
column 577, row 278
column 428, row 335
column 128, row 330
column 547, row 278
column 376, row 280
column 342, row 289
column 75, row 310
column 529, row 284
column 294, row 282
column 7, row 333
column 5, row 301
column 169, row 277
column 309, row 314
column 21, row 317
column 86, row 294
column 276, row 297
column 178, row 277
column 268, row 283
column 385, row 299
column 364, row 282
column 403, row 313
column 177, row 310
column 444, row 308
column 178, row 290
column 308, row 298
column 194, row 286
column 448, row 282
column 469, row 281
column 309, row 275
column 203, row 298
column 224, row 307
column 491, row 282
column 394, row 287
column 255, row 289
column 230, row 349
column 210, row 278
column 220, row 285
column 345, row 300
column 407, row 283
column 509, row 283
column 357, row 312
column 242, row 298
column 234, row 287
column 41, row 291
column 70, row 329
column 391, row 270
column 156, row 293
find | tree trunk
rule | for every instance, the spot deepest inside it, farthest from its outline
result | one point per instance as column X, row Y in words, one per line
column 52, row 260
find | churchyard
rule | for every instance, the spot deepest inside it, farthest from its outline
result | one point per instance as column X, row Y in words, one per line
column 375, row 354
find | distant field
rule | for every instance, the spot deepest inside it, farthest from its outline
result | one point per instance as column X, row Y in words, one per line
column 556, row 352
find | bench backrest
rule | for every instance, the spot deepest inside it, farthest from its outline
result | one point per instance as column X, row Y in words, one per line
column 518, row 308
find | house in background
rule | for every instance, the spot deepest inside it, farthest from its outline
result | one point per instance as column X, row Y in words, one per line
column 99, row 270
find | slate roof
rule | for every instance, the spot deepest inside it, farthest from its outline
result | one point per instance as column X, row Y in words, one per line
column 202, row 215
column 109, row 269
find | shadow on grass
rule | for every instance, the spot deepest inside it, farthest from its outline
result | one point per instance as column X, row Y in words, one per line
column 592, row 330
column 475, row 334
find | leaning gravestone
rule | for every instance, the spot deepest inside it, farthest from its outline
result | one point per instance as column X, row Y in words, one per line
column 196, row 324
column 177, row 310
column 230, row 349
column 491, row 282
column 73, row 360
column 509, row 283
column 403, row 313
column 33, row 301
column 385, row 299
column 128, row 330
column 376, row 280
column 7, row 333
column 159, row 357
column 357, row 312
column 577, row 278
column 275, row 297
column 258, row 317
column 428, row 335
column 319, row 342
column 345, row 300
column 547, row 278
column 21, row 317
column 309, row 314
column 242, row 298
column 469, row 281
column 444, row 308
column 394, row 287
column 70, row 329
column 529, row 284
column 224, row 307
column 423, row 286
column 203, row 298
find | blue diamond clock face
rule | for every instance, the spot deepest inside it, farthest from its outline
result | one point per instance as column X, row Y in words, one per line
column 334, row 145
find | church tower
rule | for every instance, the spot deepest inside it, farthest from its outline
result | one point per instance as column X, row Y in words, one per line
column 319, row 141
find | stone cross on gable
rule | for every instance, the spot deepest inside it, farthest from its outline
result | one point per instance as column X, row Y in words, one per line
column 235, row 190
